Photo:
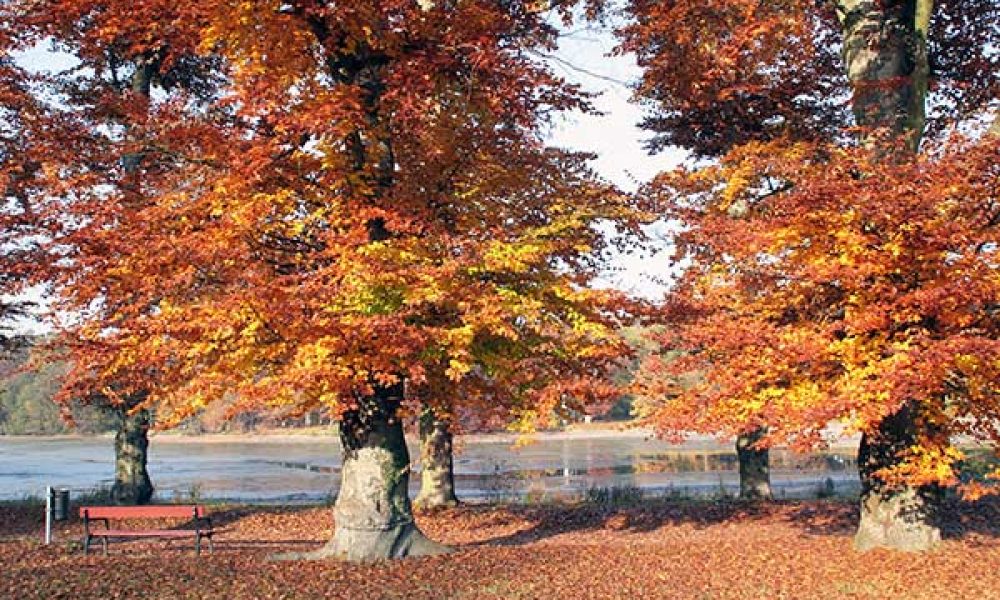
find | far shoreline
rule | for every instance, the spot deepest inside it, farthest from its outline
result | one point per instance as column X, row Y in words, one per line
column 313, row 435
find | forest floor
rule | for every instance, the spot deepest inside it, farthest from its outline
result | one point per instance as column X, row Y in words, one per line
column 654, row 548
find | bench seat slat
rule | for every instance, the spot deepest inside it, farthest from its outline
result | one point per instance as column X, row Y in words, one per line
column 176, row 533
column 152, row 511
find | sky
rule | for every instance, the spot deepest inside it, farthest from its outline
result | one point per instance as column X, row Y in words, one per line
column 585, row 57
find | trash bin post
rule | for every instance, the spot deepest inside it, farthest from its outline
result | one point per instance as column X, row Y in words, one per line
column 48, row 515
column 56, row 508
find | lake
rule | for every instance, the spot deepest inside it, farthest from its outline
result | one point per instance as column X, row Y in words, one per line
column 304, row 469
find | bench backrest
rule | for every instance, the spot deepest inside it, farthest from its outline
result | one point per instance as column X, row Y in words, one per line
column 152, row 511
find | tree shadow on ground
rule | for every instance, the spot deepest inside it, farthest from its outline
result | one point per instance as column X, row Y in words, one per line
column 238, row 526
column 252, row 526
column 293, row 527
column 21, row 519
column 977, row 519
column 229, row 515
column 957, row 519
column 961, row 520
column 638, row 517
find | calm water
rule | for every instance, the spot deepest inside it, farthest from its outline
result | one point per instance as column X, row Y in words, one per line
column 307, row 470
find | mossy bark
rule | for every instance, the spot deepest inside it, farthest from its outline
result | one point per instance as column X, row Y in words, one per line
column 373, row 519
column 898, row 517
column 437, row 471
column 755, row 469
column 132, row 483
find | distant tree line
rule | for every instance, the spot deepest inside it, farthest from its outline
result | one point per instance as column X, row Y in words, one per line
column 27, row 406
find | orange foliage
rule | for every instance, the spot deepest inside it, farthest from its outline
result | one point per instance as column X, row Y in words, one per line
column 721, row 73
column 21, row 164
column 826, row 283
column 330, row 197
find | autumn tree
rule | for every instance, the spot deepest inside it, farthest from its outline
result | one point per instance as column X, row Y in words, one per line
column 841, row 247
column 364, row 207
column 20, row 161
column 101, row 160
column 437, row 460
column 436, row 429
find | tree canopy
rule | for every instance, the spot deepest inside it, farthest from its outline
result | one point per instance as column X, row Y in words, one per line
column 322, row 198
column 834, row 274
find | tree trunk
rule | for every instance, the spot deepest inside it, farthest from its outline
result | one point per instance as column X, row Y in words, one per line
column 896, row 517
column 755, row 478
column 132, row 484
column 885, row 55
column 372, row 515
column 437, row 475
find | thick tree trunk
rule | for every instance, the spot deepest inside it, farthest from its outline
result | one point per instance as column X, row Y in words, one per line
column 437, row 474
column 132, row 484
column 885, row 56
column 896, row 517
column 755, row 471
column 372, row 515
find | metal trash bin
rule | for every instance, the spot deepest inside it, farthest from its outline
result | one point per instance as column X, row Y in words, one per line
column 60, row 504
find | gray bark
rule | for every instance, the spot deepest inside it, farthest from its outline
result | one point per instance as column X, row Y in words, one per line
column 437, row 473
column 132, row 484
column 896, row 517
column 754, row 463
column 885, row 56
column 372, row 515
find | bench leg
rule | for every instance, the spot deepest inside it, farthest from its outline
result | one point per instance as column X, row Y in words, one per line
column 86, row 543
column 197, row 545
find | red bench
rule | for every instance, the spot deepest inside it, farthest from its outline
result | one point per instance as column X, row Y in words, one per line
column 202, row 523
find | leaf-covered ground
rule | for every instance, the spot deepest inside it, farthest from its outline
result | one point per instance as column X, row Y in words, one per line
column 656, row 549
